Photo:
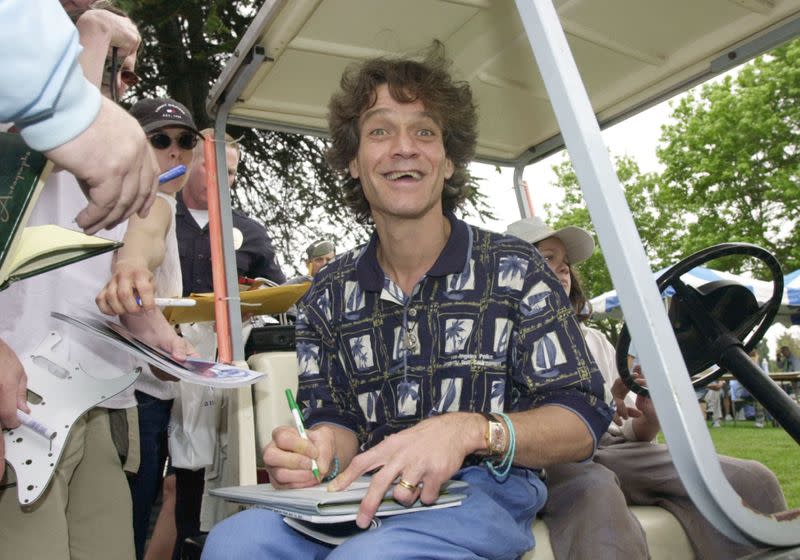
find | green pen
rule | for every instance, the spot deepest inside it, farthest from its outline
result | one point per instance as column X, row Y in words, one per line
column 298, row 422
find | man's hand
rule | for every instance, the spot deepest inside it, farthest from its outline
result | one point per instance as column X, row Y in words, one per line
column 13, row 394
column 619, row 391
column 115, row 167
column 427, row 455
column 645, row 423
column 128, row 278
column 288, row 456
column 645, row 406
column 120, row 31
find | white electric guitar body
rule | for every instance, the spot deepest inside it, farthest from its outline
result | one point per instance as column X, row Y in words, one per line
column 66, row 393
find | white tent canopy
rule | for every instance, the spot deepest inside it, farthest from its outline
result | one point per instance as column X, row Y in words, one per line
column 607, row 304
column 791, row 297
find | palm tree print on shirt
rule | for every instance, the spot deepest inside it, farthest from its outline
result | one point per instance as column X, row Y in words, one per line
column 407, row 398
column 511, row 272
column 392, row 292
column 547, row 355
column 367, row 402
column 464, row 280
column 307, row 359
column 451, row 395
column 361, row 349
column 497, row 395
column 456, row 333
column 502, row 331
column 311, row 402
column 536, row 300
column 353, row 297
column 324, row 304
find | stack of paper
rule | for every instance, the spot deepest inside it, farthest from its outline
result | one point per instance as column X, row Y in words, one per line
column 317, row 505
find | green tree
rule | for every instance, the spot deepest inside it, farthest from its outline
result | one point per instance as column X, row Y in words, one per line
column 572, row 210
column 732, row 155
column 284, row 180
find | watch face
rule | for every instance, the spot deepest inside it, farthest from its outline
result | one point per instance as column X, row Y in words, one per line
column 497, row 436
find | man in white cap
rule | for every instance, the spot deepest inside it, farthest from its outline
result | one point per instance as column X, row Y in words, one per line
column 587, row 508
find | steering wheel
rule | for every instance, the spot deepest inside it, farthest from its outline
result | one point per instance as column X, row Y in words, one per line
column 709, row 319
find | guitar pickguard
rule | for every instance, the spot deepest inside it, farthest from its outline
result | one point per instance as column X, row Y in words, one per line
column 66, row 392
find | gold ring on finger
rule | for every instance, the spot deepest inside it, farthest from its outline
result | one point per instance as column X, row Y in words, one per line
column 407, row 485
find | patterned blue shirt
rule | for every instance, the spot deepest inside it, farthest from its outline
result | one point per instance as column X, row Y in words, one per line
column 488, row 328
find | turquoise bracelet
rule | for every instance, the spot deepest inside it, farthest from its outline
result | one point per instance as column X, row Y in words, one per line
column 334, row 471
column 502, row 469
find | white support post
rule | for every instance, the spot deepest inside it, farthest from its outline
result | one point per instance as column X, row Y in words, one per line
column 668, row 380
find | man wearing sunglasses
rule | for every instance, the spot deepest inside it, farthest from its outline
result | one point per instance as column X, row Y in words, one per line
column 255, row 255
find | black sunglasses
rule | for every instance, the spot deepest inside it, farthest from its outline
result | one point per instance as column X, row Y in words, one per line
column 162, row 141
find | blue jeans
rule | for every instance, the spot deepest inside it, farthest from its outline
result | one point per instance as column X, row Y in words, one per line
column 153, row 421
column 493, row 522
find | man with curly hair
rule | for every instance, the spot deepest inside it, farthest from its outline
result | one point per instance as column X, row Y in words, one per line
column 436, row 351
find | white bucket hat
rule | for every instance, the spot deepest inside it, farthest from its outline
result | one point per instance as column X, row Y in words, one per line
column 578, row 241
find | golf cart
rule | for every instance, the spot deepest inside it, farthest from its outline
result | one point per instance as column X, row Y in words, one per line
column 545, row 74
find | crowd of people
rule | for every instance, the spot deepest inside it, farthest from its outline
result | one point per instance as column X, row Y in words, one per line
column 437, row 350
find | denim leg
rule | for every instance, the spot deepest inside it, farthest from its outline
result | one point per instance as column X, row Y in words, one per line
column 259, row 533
column 153, row 420
column 493, row 522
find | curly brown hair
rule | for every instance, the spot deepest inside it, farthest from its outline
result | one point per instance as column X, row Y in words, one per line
column 450, row 102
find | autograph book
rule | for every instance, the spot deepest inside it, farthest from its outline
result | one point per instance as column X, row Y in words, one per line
column 316, row 505
column 27, row 251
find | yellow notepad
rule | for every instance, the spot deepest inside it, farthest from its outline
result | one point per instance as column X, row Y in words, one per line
column 43, row 248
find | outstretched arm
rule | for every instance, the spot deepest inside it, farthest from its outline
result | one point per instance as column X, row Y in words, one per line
column 135, row 262
column 59, row 112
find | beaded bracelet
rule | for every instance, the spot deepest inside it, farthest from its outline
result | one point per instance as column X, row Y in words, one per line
column 501, row 470
column 334, row 471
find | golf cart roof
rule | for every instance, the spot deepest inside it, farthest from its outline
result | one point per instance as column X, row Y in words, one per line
column 630, row 54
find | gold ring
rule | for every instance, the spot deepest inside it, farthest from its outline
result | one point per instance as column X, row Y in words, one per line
column 407, row 485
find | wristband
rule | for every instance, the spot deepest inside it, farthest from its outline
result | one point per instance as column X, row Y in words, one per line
column 334, row 471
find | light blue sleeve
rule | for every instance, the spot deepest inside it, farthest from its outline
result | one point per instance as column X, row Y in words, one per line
column 42, row 87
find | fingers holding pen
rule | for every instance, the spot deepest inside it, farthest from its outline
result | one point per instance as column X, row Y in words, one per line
column 289, row 459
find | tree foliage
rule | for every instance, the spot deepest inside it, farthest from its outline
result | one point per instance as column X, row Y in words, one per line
column 732, row 157
column 284, row 180
column 730, row 154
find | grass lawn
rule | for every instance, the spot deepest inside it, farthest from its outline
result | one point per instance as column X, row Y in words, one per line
column 771, row 446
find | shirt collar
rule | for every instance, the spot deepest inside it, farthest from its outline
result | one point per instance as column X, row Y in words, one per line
column 452, row 260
